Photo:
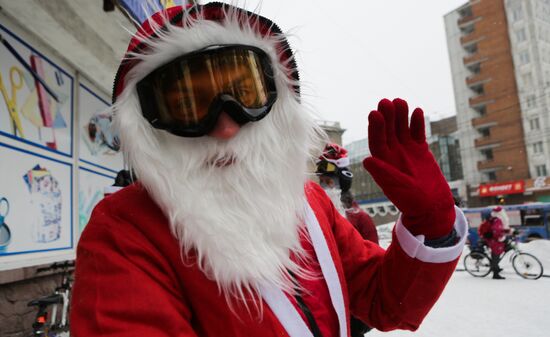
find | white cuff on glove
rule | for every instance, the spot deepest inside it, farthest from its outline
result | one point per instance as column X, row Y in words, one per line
column 415, row 248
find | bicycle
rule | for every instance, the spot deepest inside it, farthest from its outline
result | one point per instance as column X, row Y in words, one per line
column 46, row 322
column 478, row 262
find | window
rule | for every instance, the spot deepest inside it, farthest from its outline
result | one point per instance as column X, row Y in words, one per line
column 524, row 57
column 527, row 79
column 532, row 217
column 537, row 147
column 488, row 154
column 534, row 124
column 482, row 109
column 485, row 132
column 478, row 89
column 517, row 14
column 471, row 48
column 543, row 34
column 531, row 101
column 491, row 176
column 520, row 35
column 541, row 170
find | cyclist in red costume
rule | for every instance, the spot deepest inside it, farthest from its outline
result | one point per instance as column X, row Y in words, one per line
column 223, row 234
column 493, row 232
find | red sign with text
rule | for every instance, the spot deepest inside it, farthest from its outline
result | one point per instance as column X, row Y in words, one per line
column 511, row 187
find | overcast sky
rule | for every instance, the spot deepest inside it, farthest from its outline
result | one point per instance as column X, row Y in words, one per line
column 353, row 53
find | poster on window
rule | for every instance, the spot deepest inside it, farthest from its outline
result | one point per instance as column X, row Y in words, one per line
column 90, row 192
column 35, row 203
column 35, row 97
column 99, row 145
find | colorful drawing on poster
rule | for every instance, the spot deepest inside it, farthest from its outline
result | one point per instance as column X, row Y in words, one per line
column 46, row 201
column 99, row 145
column 16, row 83
column 37, row 97
column 140, row 10
column 37, row 215
column 90, row 192
column 98, row 135
column 5, row 232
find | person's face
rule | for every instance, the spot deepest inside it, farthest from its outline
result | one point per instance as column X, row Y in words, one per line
column 190, row 101
column 327, row 182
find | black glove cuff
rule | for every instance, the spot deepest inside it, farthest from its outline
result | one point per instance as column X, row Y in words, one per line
column 446, row 241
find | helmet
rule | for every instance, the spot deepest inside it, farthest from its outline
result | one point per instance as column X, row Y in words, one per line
column 334, row 162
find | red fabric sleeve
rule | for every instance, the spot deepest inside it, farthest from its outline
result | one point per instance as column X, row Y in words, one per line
column 387, row 289
column 370, row 227
column 123, row 285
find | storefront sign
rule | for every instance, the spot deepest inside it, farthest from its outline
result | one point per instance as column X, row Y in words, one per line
column 512, row 187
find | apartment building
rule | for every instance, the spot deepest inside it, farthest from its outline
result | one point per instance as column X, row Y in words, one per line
column 499, row 55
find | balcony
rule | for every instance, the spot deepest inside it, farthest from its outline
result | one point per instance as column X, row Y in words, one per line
column 479, row 100
column 485, row 141
column 487, row 164
column 473, row 59
column 483, row 121
column 473, row 37
column 476, row 79
column 466, row 20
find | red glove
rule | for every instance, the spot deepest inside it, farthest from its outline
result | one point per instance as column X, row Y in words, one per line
column 406, row 171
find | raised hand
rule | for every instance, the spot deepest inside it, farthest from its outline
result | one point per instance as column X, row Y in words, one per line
column 406, row 171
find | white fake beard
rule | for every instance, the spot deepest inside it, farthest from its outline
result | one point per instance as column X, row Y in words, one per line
column 244, row 219
column 334, row 195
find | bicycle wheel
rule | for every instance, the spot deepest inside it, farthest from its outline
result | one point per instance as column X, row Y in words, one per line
column 527, row 266
column 477, row 264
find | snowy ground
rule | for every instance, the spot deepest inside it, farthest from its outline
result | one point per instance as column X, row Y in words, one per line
column 483, row 307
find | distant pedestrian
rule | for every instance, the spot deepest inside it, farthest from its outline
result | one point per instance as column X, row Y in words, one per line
column 492, row 232
column 359, row 218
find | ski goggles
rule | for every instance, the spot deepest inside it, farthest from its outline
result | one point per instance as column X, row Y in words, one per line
column 186, row 96
column 326, row 167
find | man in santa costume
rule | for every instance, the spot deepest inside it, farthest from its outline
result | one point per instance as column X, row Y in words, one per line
column 335, row 178
column 224, row 235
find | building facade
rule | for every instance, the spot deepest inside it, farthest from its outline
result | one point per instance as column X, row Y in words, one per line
column 497, row 52
column 529, row 32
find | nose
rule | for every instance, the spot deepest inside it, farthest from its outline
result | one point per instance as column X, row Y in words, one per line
column 226, row 128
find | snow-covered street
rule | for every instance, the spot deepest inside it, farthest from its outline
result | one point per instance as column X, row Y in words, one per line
column 483, row 307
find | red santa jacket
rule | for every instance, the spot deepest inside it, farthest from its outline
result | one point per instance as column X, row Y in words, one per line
column 363, row 223
column 131, row 280
column 492, row 231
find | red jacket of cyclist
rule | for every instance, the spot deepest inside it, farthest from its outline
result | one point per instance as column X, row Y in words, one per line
column 493, row 233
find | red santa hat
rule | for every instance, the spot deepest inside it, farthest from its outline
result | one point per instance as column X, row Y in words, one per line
column 335, row 154
column 500, row 213
column 153, row 28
